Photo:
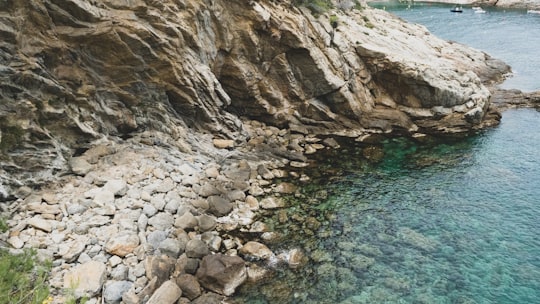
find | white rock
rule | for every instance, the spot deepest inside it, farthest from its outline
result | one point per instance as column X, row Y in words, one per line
column 86, row 279
column 40, row 224
column 117, row 186
column 167, row 293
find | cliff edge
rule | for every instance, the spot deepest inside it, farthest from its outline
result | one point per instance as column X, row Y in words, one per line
column 73, row 72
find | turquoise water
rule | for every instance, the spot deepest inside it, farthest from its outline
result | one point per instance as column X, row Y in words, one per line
column 510, row 35
column 454, row 222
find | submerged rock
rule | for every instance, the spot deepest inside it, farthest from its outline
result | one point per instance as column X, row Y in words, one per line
column 221, row 273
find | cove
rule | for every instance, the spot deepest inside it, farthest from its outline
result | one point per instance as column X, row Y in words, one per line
column 449, row 221
column 453, row 222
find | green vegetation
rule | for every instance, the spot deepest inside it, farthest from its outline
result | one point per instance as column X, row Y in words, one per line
column 334, row 21
column 22, row 279
column 3, row 225
column 317, row 7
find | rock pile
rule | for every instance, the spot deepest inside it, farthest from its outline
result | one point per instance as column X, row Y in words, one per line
column 146, row 223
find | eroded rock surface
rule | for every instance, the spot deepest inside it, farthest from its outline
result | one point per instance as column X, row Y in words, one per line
column 73, row 72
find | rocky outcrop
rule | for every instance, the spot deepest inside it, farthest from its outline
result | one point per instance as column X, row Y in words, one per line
column 73, row 72
column 504, row 99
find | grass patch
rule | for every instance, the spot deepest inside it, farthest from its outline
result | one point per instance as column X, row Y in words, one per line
column 22, row 278
column 317, row 7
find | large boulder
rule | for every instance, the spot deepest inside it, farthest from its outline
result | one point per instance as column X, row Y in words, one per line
column 222, row 273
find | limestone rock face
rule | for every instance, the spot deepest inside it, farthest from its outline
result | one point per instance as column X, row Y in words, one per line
column 72, row 72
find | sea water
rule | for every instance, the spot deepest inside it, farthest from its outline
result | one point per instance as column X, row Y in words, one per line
column 448, row 221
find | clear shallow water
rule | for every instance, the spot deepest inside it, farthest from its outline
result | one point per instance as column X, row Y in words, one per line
column 510, row 35
column 455, row 222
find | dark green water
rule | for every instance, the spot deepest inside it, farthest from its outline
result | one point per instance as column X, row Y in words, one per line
column 454, row 222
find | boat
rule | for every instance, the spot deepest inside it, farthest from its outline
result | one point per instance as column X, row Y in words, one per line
column 478, row 10
column 533, row 12
column 457, row 9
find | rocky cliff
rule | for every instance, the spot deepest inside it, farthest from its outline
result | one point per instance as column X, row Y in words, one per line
column 73, row 72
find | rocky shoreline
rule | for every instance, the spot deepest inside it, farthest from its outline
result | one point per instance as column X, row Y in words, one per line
column 141, row 222
column 167, row 176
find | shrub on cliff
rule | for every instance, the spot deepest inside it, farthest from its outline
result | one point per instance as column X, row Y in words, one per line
column 318, row 7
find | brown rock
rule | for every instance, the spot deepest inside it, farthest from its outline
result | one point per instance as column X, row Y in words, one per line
column 221, row 273
column 189, row 285
column 255, row 251
column 122, row 244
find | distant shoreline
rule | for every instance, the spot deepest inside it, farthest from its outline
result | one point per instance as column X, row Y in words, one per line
column 531, row 4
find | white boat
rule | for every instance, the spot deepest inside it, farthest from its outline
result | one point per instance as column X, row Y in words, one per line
column 533, row 12
column 478, row 10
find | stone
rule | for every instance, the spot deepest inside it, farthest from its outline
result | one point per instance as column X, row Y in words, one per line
column 208, row 298
column 285, row 188
column 119, row 273
column 114, row 290
column 40, row 224
column 172, row 248
column 208, row 189
column 76, row 209
column 186, row 265
column 155, row 238
column 167, row 293
column 206, row 222
column 330, row 142
column 272, row 203
column 104, row 197
column 122, row 243
column 236, row 195
column 159, row 267
column 196, row 249
column 219, row 206
column 166, row 185
column 117, row 186
column 190, row 286
column 255, row 251
column 149, row 210
column 70, row 251
column 79, row 166
column 212, row 172
column 172, row 206
column 158, row 201
column 223, row 143
column 187, row 221
column 161, row 221
column 86, row 279
column 221, row 273
column 15, row 242
column 263, row 171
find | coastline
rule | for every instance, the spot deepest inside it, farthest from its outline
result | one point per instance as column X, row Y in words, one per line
column 124, row 204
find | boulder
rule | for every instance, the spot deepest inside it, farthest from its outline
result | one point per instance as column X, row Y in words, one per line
column 167, row 293
column 196, row 249
column 219, row 206
column 221, row 273
column 190, row 286
column 255, row 251
column 122, row 243
column 86, row 279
